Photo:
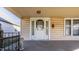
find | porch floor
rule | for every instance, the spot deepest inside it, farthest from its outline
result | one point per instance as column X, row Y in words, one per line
column 68, row 45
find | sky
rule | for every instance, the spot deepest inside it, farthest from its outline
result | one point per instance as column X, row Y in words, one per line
column 7, row 15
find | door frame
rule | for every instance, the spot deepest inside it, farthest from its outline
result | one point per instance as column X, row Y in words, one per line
column 40, row 18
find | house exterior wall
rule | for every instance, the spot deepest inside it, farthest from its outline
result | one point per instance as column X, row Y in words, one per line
column 56, row 33
column 25, row 28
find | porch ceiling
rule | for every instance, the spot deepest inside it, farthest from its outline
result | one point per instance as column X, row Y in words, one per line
column 46, row 11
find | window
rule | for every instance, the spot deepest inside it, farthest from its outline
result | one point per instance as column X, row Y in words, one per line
column 72, row 27
column 40, row 24
column 76, row 27
column 68, row 27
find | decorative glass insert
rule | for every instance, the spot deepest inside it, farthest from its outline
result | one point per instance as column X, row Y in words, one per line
column 40, row 24
column 68, row 27
column 32, row 27
column 47, row 27
column 76, row 27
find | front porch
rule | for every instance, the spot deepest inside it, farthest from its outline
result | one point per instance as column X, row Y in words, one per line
column 49, row 29
column 51, row 45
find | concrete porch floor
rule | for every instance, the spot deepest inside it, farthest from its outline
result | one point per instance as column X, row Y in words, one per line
column 69, row 45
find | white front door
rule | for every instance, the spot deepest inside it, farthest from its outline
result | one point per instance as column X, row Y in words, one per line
column 39, row 28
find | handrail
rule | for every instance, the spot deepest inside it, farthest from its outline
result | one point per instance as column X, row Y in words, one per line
column 6, row 41
column 10, row 37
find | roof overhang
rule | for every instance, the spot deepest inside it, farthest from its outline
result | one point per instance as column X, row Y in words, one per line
column 45, row 11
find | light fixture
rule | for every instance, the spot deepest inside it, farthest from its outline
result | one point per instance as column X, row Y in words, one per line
column 38, row 11
column 52, row 25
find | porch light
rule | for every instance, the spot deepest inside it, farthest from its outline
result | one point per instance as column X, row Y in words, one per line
column 52, row 25
column 38, row 11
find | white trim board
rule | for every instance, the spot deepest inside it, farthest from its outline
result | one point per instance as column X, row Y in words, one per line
column 40, row 18
column 71, row 26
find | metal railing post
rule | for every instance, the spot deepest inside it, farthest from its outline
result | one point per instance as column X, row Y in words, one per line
column 1, row 39
column 18, row 41
column 10, row 42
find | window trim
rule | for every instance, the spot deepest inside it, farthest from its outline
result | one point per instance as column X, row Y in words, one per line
column 71, row 26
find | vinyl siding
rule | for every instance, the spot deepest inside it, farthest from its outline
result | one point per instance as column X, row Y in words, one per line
column 25, row 29
column 58, row 31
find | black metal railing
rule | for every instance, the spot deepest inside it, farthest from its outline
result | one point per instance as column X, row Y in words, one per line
column 10, row 41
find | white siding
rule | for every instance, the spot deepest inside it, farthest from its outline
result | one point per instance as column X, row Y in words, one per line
column 25, row 29
column 58, row 31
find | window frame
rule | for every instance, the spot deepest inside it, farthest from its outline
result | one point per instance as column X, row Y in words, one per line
column 71, row 26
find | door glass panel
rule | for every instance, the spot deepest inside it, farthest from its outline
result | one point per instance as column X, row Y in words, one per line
column 32, row 27
column 40, row 24
column 47, row 27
